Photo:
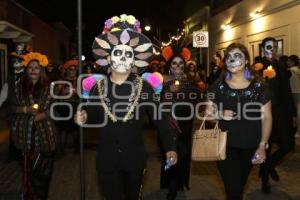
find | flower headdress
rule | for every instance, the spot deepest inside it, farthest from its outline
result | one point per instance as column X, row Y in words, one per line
column 69, row 63
column 122, row 30
column 35, row 56
column 172, row 51
column 123, row 22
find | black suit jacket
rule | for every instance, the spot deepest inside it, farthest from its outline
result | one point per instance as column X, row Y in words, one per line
column 121, row 144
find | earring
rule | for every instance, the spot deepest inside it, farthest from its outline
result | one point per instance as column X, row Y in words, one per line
column 227, row 76
column 247, row 74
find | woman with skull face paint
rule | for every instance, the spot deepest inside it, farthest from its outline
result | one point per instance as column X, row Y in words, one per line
column 283, row 111
column 235, row 94
column 33, row 131
column 121, row 156
column 177, row 84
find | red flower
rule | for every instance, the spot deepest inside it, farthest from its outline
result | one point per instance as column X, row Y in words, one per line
column 186, row 54
column 167, row 53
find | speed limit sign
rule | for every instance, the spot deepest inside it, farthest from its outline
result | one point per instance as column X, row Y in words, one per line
column 200, row 39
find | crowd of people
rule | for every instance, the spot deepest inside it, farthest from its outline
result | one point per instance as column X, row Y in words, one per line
column 124, row 67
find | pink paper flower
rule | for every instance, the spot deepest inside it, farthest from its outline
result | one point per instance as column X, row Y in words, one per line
column 88, row 83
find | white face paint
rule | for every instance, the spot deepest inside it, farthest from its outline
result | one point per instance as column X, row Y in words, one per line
column 235, row 60
column 270, row 49
column 122, row 58
column 177, row 67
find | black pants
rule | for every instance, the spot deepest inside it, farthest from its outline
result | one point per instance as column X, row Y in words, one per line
column 235, row 171
column 118, row 184
column 283, row 136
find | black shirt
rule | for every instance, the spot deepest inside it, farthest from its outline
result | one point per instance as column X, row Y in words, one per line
column 121, row 144
column 244, row 131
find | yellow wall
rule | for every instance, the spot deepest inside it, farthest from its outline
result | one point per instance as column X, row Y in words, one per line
column 278, row 18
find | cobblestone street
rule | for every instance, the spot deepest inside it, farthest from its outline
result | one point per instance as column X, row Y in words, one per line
column 205, row 180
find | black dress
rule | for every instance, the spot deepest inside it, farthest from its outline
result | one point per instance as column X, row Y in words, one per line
column 178, row 176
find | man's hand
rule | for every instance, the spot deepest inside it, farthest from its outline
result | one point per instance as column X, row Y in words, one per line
column 172, row 156
column 80, row 117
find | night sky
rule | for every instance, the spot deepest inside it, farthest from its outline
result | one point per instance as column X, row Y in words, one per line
column 164, row 16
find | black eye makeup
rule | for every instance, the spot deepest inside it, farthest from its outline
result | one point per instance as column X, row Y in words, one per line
column 237, row 55
column 117, row 52
column 128, row 54
column 269, row 47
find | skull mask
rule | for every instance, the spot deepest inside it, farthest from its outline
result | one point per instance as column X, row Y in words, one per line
column 177, row 67
column 235, row 59
column 270, row 49
column 20, row 48
column 122, row 58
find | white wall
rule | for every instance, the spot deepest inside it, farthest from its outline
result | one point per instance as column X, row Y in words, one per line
column 278, row 18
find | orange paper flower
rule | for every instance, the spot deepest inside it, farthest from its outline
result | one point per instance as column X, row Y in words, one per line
column 269, row 72
column 70, row 63
column 167, row 53
column 258, row 66
column 201, row 85
column 186, row 54
column 42, row 59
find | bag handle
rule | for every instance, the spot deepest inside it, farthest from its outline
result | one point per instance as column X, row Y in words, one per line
column 203, row 124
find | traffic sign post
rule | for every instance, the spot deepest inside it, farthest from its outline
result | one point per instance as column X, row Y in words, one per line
column 200, row 39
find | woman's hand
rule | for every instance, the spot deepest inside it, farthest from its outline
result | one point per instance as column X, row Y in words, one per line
column 172, row 156
column 174, row 88
column 80, row 117
column 228, row 115
column 29, row 110
column 39, row 117
column 259, row 156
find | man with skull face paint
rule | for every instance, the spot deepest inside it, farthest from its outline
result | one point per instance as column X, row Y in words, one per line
column 7, row 95
column 283, row 111
column 177, row 83
column 121, row 156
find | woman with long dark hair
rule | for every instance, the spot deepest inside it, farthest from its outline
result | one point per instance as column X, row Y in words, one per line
column 33, row 131
column 243, row 109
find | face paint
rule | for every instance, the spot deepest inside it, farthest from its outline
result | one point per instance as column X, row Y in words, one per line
column 122, row 58
column 270, row 49
column 177, row 66
column 235, row 59
column 20, row 48
column 34, row 70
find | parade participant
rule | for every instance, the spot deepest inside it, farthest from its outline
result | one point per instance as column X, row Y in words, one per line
column 33, row 132
column 248, row 132
column 68, row 128
column 176, row 83
column 121, row 156
column 191, row 71
column 283, row 111
column 52, row 72
column 294, row 68
column 7, row 95
column 154, row 66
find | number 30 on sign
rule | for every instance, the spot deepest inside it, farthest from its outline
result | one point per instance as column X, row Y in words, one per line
column 200, row 39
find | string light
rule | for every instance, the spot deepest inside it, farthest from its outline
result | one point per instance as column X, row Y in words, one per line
column 176, row 38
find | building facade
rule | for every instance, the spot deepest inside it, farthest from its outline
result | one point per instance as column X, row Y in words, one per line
column 250, row 21
column 17, row 24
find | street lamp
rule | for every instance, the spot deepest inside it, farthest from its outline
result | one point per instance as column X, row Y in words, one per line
column 147, row 28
